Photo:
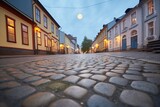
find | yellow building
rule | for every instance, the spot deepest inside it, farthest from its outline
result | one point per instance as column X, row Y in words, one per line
column 15, row 31
column 46, row 30
column 100, row 43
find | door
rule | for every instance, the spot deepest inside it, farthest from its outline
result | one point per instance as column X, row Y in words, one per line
column 124, row 44
column 134, row 42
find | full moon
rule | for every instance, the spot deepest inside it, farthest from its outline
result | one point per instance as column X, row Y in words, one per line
column 79, row 16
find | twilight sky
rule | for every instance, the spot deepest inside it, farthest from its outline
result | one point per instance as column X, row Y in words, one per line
column 95, row 14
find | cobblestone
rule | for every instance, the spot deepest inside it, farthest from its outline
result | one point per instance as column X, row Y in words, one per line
column 86, row 80
column 40, row 99
column 57, row 76
column 99, row 101
column 118, row 81
column 145, row 86
column 31, row 79
column 65, row 103
column 10, row 84
column 40, row 82
column 72, row 79
column 86, row 83
column 99, row 77
column 76, row 92
column 104, row 88
column 19, row 92
column 133, row 77
column 136, row 98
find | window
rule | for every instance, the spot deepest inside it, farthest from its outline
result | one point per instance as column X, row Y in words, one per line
column 45, row 21
column 110, row 44
column 133, row 18
column 116, row 30
column 53, row 43
column 52, row 27
column 134, row 33
column 11, row 31
column 150, row 7
column 38, row 15
column 150, row 29
column 57, row 32
column 109, row 36
column 124, row 24
column 45, row 40
column 39, row 40
column 49, row 43
column 25, row 39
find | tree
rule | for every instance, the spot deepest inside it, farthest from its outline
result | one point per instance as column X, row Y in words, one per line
column 86, row 44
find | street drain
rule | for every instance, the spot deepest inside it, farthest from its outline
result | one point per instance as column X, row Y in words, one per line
column 59, row 86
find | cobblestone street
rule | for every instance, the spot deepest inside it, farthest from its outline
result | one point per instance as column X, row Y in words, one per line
column 84, row 80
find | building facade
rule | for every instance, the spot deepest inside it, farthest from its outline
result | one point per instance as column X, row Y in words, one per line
column 16, row 29
column 27, row 28
column 100, row 44
column 46, row 30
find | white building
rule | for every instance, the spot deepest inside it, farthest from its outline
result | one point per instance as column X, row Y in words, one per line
column 136, row 28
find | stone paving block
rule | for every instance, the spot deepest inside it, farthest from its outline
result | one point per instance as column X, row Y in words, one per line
column 154, row 75
column 132, row 77
column 72, row 79
column 134, row 72
column 99, row 101
column 31, row 79
column 154, row 80
column 65, row 103
column 118, row 71
column 99, row 77
column 104, row 88
column 79, row 69
column 86, row 75
column 10, row 84
column 151, row 71
column 38, row 73
column 86, row 83
column 47, row 74
column 40, row 99
column 76, row 92
column 18, row 93
column 145, row 86
column 71, row 72
column 98, row 72
column 40, row 82
column 118, row 81
column 57, row 76
column 136, row 98
column 112, row 74
column 85, row 71
column 6, row 78
column 22, row 75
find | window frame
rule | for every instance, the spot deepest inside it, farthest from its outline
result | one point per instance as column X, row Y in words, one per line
column 150, row 7
column 45, row 40
column 45, row 21
column 149, row 28
column 39, row 37
column 37, row 9
column 133, row 18
column 52, row 25
column 22, row 31
column 7, row 30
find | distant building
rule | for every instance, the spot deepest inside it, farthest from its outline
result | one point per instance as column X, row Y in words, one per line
column 100, row 43
column 134, row 30
column 68, row 44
